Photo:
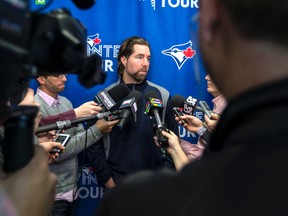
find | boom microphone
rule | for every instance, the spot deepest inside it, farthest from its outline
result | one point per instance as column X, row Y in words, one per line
column 70, row 123
column 84, row 4
column 128, row 107
column 109, row 98
column 153, row 107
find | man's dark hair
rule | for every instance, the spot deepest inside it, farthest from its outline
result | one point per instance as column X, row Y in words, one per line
column 260, row 19
column 127, row 48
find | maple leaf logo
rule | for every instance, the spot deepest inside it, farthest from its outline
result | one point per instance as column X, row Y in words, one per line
column 189, row 53
column 97, row 40
column 93, row 40
column 180, row 53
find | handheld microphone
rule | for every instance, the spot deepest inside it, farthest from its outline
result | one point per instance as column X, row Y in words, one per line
column 189, row 105
column 60, row 125
column 178, row 104
column 128, row 107
column 153, row 107
column 109, row 98
column 205, row 108
column 186, row 106
column 84, row 4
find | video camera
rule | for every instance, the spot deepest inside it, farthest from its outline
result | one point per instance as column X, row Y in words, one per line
column 34, row 44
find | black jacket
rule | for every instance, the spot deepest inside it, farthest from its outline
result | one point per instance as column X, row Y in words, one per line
column 244, row 173
column 132, row 149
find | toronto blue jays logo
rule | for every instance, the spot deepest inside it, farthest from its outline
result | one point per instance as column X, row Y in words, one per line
column 180, row 53
column 92, row 42
column 88, row 176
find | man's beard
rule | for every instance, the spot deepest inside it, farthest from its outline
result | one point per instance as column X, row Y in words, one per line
column 138, row 78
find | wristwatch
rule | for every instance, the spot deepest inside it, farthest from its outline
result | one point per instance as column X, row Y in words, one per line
column 201, row 131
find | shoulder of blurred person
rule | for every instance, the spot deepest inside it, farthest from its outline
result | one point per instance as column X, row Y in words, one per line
column 245, row 171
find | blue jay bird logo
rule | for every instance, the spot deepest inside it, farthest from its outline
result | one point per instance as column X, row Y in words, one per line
column 93, row 40
column 180, row 53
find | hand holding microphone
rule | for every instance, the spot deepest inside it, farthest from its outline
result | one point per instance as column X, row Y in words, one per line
column 105, row 126
column 154, row 107
column 210, row 123
column 87, row 109
column 104, row 99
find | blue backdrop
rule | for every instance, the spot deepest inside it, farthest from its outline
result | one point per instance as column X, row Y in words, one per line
column 175, row 57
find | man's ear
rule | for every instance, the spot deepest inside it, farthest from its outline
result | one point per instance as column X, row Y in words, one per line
column 210, row 18
column 41, row 79
column 124, row 60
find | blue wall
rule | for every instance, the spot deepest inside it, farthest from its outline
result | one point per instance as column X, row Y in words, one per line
column 167, row 25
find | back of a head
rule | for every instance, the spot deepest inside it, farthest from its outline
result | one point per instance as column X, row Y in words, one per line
column 260, row 19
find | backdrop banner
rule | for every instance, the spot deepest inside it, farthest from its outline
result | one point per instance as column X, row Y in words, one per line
column 171, row 28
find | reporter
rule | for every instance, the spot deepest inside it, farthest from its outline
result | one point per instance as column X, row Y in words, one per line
column 195, row 125
column 66, row 165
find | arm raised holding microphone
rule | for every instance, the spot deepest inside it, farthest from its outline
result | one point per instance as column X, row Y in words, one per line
column 66, row 166
column 194, row 124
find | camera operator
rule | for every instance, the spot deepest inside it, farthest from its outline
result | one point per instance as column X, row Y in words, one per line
column 29, row 191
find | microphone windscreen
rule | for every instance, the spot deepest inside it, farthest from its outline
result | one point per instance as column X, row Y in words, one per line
column 136, row 94
column 118, row 92
column 178, row 100
column 84, row 4
column 150, row 94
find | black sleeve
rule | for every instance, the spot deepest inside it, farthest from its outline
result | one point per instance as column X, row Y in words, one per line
column 97, row 159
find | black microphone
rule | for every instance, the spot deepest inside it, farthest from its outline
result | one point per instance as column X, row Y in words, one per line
column 178, row 104
column 153, row 108
column 190, row 105
column 84, row 4
column 60, row 125
column 128, row 107
column 109, row 98
column 186, row 106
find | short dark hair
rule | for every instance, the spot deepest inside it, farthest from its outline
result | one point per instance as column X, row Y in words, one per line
column 260, row 19
column 127, row 48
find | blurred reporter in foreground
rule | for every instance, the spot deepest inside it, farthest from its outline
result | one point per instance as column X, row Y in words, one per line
column 245, row 50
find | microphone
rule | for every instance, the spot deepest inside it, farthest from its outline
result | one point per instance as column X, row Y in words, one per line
column 189, row 105
column 186, row 106
column 109, row 98
column 70, row 123
column 153, row 108
column 84, row 4
column 178, row 103
column 128, row 107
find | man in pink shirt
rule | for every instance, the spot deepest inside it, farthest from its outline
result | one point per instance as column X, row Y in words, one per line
column 185, row 152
